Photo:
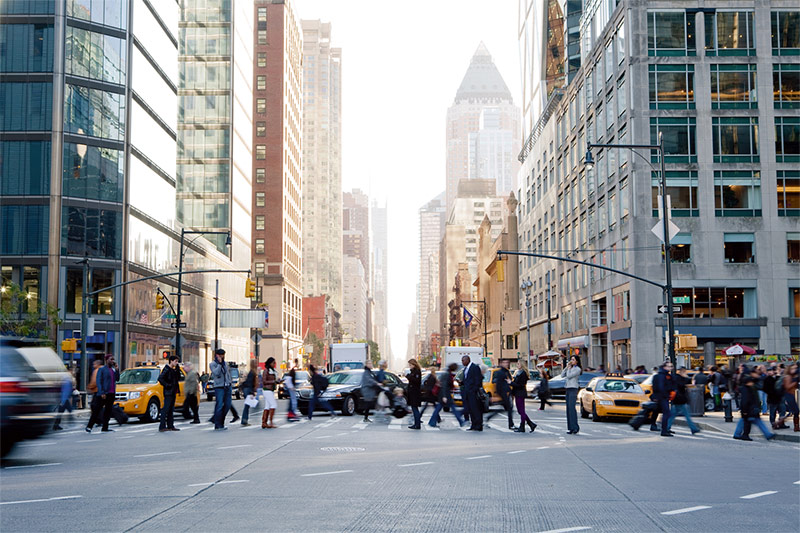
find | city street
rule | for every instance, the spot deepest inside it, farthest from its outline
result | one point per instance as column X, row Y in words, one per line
column 344, row 475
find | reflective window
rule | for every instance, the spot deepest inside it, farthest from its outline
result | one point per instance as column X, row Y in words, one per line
column 679, row 139
column 737, row 193
column 93, row 172
column 26, row 47
column 787, row 139
column 788, row 192
column 206, row 11
column 154, row 90
column 208, row 177
column 785, row 33
column 26, row 106
column 733, row 86
column 735, row 139
column 107, row 12
column 739, row 248
column 730, row 33
column 682, row 189
column 204, row 108
column 786, row 86
column 152, row 140
column 205, row 212
column 102, row 302
column 717, row 302
column 205, row 75
column 27, row 7
column 94, row 113
column 96, row 232
column 94, row 55
column 204, row 144
column 205, row 41
column 150, row 193
column 29, row 163
column 670, row 33
column 23, row 229
column 671, row 86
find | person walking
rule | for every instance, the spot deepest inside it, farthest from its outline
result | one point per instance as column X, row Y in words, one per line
column 103, row 401
column 502, row 386
column 415, row 391
column 663, row 391
column 291, row 387
column 370, row 387
column 750, row 408
column 191, row 392
column 169, row 381
column 204, row 380
column 222, row 382
column 520, row 391
column 248, row 390
column 319, row 384
column 65, row 403
column 774, row 396
column 473, row 380
column 790, row 383
column 444, row 397
column 679, row 406
column 544, row 390
column 269, row 378
column 571, row 375
column 428, row 397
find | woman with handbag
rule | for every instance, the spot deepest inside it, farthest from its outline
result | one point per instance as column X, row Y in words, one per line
column 269, row 377
column 520, row 391
column 248, row 389
column 415, row 391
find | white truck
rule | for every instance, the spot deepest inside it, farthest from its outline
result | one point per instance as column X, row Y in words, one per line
column 453, row 354
column 348, row 356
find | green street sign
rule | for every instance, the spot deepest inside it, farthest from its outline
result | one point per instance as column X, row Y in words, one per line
column 680, row 300
column 169, row 315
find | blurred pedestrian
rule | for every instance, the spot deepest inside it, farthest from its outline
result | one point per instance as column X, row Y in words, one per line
column 443, row 392
column 204, row 380
column 520, row 391
column 319, row 384
column 502, row 386
column 700, row 379
column 473, row 380
column 750, row 408
column 269, row 379
column 663, row 392
column 103, row 401
column 222, row 382
column 370, row 387
column 290, row 385
column 790, row 383
column 249, row 390
column 773, row 387
column 65, row 402
column 191, row 391
column 717, row 383
column 544, row 390
column 169, row 381
column 571, row 375
column 414, row 391
column 679, row 406
column 428, row 396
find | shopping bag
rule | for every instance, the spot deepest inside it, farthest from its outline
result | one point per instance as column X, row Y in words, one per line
column 251, row 400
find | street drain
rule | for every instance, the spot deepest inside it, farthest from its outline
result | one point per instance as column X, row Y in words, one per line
column 344, row 449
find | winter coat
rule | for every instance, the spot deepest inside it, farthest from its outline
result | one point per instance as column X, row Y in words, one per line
column 249, row 384
column 220, row 374
column 663, row 385
column 501, row 385
column 518, row 386
column 369, row 386
column 190, row 385
column 681, row 396
column 749, row 405
column 169, row 380
column 773, row 396
column 414, row 387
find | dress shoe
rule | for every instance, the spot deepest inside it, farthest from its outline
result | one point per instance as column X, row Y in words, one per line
column 195, row 422
column 163, row 430
column 88, row 430
column 106, row 430
column 221, row 429
column 520, row 429
column 667, row 435
column 234, row 419
column 174, row 429
column 531, row 425
column 745, row 438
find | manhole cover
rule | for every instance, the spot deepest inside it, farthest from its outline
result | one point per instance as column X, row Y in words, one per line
column 342, row 449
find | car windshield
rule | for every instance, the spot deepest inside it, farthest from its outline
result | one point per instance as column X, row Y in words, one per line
column 341, row 378
column 618, row 385
column 301, row 375
column 234, row 373
column 138, row 376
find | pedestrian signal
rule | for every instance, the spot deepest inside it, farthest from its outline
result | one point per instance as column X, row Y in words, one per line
column 250, row 288
column 69, row 345
column 159, row 300
column 501, row 271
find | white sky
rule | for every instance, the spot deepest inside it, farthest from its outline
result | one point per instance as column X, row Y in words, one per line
column 402, row 63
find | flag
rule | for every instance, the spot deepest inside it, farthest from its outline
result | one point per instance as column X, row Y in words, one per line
column 467, row 318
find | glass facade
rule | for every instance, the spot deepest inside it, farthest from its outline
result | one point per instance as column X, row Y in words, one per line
column 29, row 163
column 785, row 33
column 733, row 87
column 730, row 33
column 26, row 106
column 671, row 86
column 670, row 33
column 786, row 86
column 737, row 193
column 787, row 139
column 735, row 139
column 95, row 232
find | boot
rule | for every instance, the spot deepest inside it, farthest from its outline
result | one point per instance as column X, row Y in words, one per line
column 796, row 422
column 264, row 415
column 520, row 429
column 510, row 422
column 532, row 425
column 271, row 418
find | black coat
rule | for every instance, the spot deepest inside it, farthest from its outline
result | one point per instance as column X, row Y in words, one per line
column 414, row 387
column 681, row 396
column 518, row 385
column 501, row 385
column 169, row 380
column 773, row 396
column 750, row 405
column 662, row 386
column 473, row 379
column 249, row 384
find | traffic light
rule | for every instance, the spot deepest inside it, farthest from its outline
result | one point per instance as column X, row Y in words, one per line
column 250, row 288
column 501, row 271
column 685, row 342
column 69, row 345
column 159, row 300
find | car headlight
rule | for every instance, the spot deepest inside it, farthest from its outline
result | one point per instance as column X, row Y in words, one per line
column 331, row 395
column 605, row 402
column 134, row 395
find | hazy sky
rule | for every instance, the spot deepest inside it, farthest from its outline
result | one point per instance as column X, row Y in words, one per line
column 402, row 63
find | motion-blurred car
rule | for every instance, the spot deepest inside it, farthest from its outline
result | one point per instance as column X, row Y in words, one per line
column 236, row 392
column 139, row 393
column 557, row 384
column 708, row 400
column 30, row 385
column 300, row 376
column 611, row 396
column 488, row 386
column 343, row 392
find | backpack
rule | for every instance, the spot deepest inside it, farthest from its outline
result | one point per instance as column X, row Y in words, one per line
column 323, row 383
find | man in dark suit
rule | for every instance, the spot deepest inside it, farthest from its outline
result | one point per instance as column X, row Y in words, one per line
column 473, row 380
column 502, row 384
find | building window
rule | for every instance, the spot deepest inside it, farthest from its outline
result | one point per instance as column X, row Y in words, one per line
column 670, row 33
column 733, row 87
column 679, row 139
column 260, row 222
column 785, row 33
column 735, row 139
column 260, row 199
column 261, row 175
column 739, row 248
column 261, row 83
column 261, row 59
column 262, row 14
column 787, row 139
column 794, row 303
column 261, row 152
column 786, row 86
column 730, row 33
column 262, row 37
column 622, row 306
column 261, row 105
column 624, row 200
column 96, row 232
column 717, row 302
column 788, row 193
column 671, row 86
column 261, row 129
column 682, row 189
column 737, row 193
column 259, row 246
column 681, row 248
column 793, row 247
column 259, row 269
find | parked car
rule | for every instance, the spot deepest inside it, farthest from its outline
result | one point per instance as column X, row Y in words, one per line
column 557, row 388
column 344, row 391
column 29, row 390
column 532, row 386
column 237, row 393
column 301, row 378
column 139, row 393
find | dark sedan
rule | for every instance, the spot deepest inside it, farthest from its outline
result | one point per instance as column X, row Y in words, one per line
column 343, row 392
column 557, row 388
column 300, row 376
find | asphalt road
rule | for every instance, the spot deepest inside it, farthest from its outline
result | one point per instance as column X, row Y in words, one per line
column 343, row 475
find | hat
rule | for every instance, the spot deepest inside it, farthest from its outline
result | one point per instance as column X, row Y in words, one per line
column 220, row 351
column 109, row 356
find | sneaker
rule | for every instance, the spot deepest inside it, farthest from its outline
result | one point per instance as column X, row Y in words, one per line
column 88, row 430
column 220, row 429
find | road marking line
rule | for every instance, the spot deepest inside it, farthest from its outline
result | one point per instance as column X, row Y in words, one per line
column 543, row 447
column 326, row 473
column 517, row 451
column 426, row 427
column 32, row 466
column 141, row 430
column 324, row 437
column 87, row 440
column 568, row 529
column 687, row 510
column 128, row 437
column 36, row 444
column 478, row 457
column 796, row 483
column 234, row 481
column 416, row 464
column 340, row 434
column 689, row 437
column 393, row 427
column 234, row 446
column 156, row 454
column 500, row 428
column 360, row 425
column 43, row 500
column 758, row 494
column 201, row 484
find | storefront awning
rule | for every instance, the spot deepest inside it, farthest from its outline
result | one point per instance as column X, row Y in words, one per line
column 573, row 342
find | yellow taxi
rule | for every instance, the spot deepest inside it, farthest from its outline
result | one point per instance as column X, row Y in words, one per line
column 708, row 400
column 140, row 394
column 488, row 386
column 612, row 395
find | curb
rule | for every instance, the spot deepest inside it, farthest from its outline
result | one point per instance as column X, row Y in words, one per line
column 708, row 427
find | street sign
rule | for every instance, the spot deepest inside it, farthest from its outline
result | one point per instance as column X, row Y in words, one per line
column 680, row 300
column 658, row 230
column 178, row 325
column 665, row 309
column 170, row 316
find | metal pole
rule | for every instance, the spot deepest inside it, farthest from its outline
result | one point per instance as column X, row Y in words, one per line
column 547, row 294
column 180, row 291
column 485, row 333
column 528, row 324
column 84, row 323
column 667, row 256
column 501, row 337
column 216, row 318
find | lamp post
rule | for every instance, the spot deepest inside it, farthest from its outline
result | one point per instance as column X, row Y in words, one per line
column 549, row 326
column 525, row 287
column 589, row 164
column 178, row 323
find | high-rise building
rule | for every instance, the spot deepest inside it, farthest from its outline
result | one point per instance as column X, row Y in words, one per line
column 322, row 164
column 355, row 224
column 355, row 274
column 379, row 284
column 718, row 85
column 431, row 231
column 467, row 157
column 355, row 294
column 277, row 218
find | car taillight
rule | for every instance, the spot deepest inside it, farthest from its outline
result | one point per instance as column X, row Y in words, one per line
column 13, row 386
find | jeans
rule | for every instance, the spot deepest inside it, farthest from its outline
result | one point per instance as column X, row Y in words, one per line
column 417, row 415
column 791, row 404
column 293, row 401
column 222, row 402
column 523, row 416
column 747, row 422
column 763, row 397
column 167, row 412
column 773, row 412
column 67, row 405
column 682, row 409
column 572, row 415
column 190, row 407
column 322, row 403
column 453, row 409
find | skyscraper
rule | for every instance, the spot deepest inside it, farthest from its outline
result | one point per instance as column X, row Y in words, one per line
column 379, row 282
column 322, row 164
column 277, row 226
column 431, row 231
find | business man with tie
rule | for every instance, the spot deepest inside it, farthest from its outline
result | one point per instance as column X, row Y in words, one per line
column 473, row 380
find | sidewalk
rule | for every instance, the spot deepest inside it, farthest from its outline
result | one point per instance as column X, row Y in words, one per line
column 715, row 421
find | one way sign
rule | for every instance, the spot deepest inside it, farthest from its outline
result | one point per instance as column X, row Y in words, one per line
column 665, row 309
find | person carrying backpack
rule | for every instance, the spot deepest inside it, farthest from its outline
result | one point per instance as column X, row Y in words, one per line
column 428, row 396
column 320, row 385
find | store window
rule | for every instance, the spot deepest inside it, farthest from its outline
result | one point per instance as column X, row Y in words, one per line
column 735, row 139
column 737, row 193
column 682, row 189
column 730, row 33
column 787, row 139
column 680, row 145
column 31, row 286
column 739, row 248
column 733, row 87
column 793, row 247
column 786, row 86
column 785, row 33
column 670, row 33
column 716, row 302
column 103, row 302
column 671, row 86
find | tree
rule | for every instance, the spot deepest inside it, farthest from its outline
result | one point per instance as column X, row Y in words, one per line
column 374, row 351
column 315, row 358
column 21, row 315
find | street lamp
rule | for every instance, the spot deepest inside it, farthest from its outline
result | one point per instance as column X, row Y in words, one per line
column 178, row 323
column 525, row 287
column 589, row 164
